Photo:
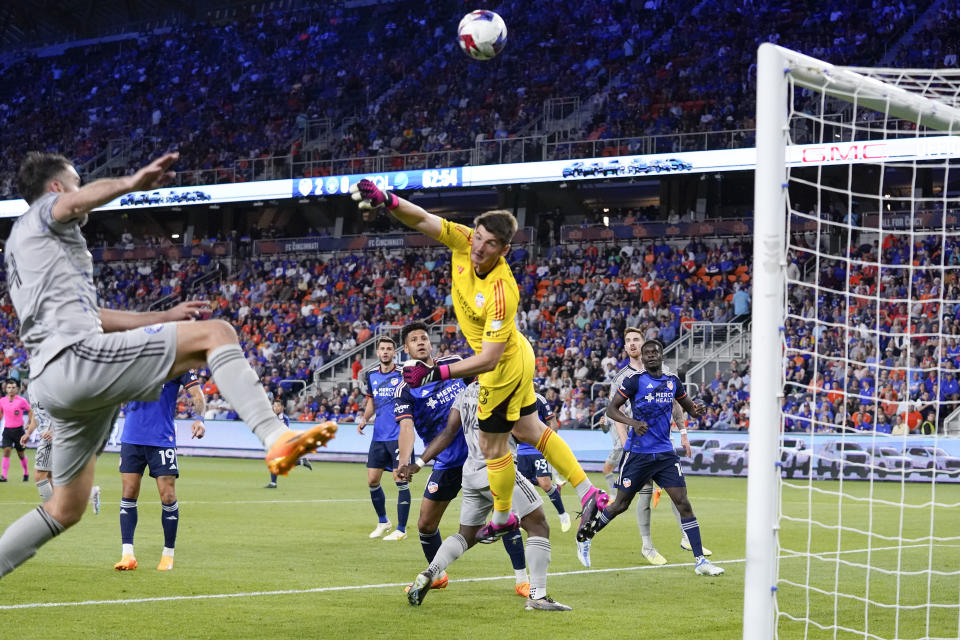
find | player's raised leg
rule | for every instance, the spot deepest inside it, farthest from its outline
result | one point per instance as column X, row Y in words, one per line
column 214, row 343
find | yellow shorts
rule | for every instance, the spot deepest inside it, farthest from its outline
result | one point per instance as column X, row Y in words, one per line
column 509, row 387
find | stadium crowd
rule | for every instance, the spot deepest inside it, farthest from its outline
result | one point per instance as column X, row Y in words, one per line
column 227, row 94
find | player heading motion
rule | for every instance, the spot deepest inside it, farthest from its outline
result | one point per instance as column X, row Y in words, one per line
column 477, row 503
column 648, row 451
column 485, row 298
column 86, row 361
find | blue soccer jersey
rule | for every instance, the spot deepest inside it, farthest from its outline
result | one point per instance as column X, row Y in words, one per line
column 382, row 387
column 428, row 406
column 546, row 414
column 651, row 400
column 151, row 423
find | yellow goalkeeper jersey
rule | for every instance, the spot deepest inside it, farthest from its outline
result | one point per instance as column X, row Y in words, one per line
column 486, row 307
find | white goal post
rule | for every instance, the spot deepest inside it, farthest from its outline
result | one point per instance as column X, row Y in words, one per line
column 791, row 87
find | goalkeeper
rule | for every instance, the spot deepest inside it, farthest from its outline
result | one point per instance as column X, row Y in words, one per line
column 485, row 298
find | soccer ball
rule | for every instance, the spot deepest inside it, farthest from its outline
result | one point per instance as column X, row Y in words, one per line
column 482, row 34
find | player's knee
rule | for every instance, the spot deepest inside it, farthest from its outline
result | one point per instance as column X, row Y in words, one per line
column 219, row 333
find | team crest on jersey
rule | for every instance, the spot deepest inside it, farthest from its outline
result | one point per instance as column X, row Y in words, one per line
column 432, row 487
column 459, row 269
column 626, row 483
column 154, row 328
column 670, row 385
column 479, row 300
column 394, row 381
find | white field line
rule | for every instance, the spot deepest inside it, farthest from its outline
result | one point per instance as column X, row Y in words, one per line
column 360, row 587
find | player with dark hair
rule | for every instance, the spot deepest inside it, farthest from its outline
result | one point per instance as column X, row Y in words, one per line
column 485, row 298
column 16, row 412
column 85, row 361
column 149, row 438
column 648, row 451
column 425, row 410
column 632, row 343
column 379, row 384
column 476, row 506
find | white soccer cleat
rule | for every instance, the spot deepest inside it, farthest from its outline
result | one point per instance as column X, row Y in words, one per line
column 381, row 529
column 95, row 499
column 395, row 535
column 583, row 552
column 564, row 522
column 707, row 568
column 685, row 545
column 653, row 556
column 545, row 604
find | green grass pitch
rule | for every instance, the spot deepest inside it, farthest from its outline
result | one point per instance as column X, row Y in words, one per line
column 296, row 562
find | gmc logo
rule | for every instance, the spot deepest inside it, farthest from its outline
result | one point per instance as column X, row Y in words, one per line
column 845, row 152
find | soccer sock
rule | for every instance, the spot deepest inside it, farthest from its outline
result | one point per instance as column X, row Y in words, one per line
column 538, row 553
column 692, row 529
column 128, row 520
column 45, row 489
column 242, row 389
column 501, row 473
column 403, row 505
column 23, row 463
column 21, row 540
column 611, row 479
column 558, row 454
column 643, row 513
column 5, row 467
column 554, row 495
column 451, row 549
column 170, row 514
column 379, row 502
column 273, row 478
column 430, row 543
column 603, row 519
column 513, row 543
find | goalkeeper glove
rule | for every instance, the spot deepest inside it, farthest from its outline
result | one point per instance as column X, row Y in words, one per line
column 416, row 373
column 370, row 196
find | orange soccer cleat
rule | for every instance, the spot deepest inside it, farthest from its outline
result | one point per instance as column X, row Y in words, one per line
column 656, row 497
column 127, row 563
column 166, row 563
column 285, row 452
column 523, row 589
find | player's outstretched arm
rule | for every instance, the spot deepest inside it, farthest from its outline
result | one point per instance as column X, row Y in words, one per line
column 112, row 320
column 73, row 205
column 370, row 197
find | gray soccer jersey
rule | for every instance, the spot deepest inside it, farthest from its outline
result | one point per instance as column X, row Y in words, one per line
column 50, row 278
column 475, row 467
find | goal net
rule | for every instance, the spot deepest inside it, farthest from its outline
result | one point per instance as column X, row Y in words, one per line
column 853, row 514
